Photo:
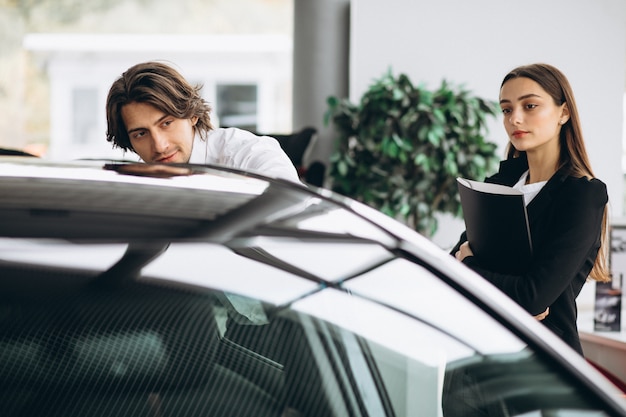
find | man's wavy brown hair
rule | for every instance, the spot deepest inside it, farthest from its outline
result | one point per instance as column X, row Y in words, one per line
column 161, row 86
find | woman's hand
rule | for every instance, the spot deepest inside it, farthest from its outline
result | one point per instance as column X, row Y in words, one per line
column 464, row 251
column 543, row 315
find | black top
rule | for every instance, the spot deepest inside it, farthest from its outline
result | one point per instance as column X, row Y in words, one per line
column 565, row 224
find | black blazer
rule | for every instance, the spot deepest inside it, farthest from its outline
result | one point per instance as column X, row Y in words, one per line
column 565, row 225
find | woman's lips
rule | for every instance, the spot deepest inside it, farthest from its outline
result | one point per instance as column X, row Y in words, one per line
column 519, row 133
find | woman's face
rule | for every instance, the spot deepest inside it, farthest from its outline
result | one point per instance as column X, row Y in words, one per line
column 156, row 136
column 531, row 118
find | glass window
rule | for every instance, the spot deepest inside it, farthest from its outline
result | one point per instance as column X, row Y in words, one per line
column 205, row 344
column 421, row 370
column 237, row 106
column 98, row 257
column 85, row 111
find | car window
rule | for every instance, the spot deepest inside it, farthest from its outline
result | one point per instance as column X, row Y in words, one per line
column 418, row 292
column 51, row 252
column 321, row 258
column 320, row 216
column 215, row 266
column 422, row 370
column 210, row 330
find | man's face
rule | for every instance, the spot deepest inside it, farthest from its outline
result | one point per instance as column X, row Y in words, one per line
column 156, row 136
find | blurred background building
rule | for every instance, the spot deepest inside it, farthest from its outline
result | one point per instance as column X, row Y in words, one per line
column 246, row 78
column 59, row 57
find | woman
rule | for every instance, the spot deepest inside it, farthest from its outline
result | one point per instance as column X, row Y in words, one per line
column 566, row 204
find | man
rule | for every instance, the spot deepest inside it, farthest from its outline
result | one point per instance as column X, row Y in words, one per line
column 153, row 111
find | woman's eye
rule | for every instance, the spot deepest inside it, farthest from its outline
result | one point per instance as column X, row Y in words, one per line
column 139, row 134
column 531, row 106
column 506, row 111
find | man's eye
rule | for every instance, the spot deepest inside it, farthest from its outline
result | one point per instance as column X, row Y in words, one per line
column 167, row 123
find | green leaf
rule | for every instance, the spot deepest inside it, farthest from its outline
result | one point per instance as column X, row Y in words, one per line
column 342, row 167
column 399, row 146
column 439, row 116
column 435, row 135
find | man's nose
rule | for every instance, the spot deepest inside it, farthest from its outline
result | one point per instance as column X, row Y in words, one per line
column 160, row 142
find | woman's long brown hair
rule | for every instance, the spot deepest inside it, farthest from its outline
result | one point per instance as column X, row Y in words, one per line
column 573, row 155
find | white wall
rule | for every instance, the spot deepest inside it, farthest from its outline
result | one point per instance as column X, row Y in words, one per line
column 477, row 42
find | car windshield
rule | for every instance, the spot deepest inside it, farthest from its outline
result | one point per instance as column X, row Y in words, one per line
column 250, row 329
column 149, row 290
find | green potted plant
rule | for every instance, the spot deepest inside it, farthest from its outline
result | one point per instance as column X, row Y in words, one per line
column 402, row 146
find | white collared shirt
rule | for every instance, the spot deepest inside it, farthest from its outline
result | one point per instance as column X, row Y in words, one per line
column 241, row 149
column 529, row 190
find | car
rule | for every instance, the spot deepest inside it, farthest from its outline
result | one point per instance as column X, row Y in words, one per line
column 132, row 289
